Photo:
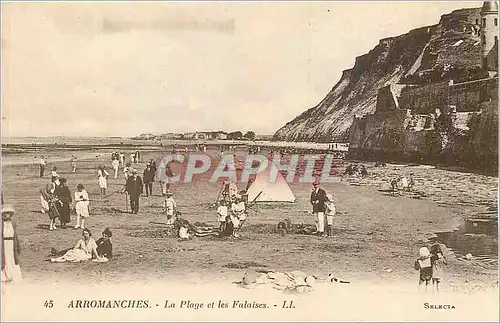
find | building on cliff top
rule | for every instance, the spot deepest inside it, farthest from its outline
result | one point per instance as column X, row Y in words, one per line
column 408, row 117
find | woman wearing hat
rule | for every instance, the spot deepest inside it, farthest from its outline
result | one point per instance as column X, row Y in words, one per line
column 64, row 195
column 11, row 271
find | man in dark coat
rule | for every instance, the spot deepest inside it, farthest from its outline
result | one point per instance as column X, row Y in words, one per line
column 148, row 177
column 318, row 198
column 134, row 189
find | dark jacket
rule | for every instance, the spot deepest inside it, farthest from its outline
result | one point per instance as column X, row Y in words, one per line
column 320, row 197
column 148, row 176
column 63, row 194
column 134, row 187
column 104, row 248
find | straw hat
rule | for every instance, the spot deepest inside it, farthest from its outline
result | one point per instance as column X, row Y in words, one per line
column 7, row 208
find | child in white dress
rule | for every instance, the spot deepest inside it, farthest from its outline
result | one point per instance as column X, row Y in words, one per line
column 222, row 213
column 330, row 213
column 170, row 206
column 102, row 176
column 81, row 206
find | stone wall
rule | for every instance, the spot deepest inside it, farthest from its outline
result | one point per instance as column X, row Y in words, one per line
column 467, row 96
column 424, row 99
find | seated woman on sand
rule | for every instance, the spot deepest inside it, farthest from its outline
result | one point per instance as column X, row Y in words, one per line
column 85, row 249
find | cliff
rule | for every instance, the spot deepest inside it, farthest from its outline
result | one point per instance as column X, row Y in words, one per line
column 448, row 50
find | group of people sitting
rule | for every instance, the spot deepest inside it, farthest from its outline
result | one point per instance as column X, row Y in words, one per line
column 87, row 248
column 231, row 214
column 402, row 183
column 356, row 170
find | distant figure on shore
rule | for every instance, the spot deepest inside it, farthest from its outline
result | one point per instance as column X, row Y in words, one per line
column 116, row 165
column 411, row 182
column 42, row 164
column 134, row 189
column 148, row 178
column 102, row 177
column 72, row 163
column 11, row 248
column 165, row 181
column 122, row 158
column 132, row 158
column 137, row 157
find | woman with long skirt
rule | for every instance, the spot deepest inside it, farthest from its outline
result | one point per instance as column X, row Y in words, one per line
column 46, row 194
column 11, row 271
column 64, row 195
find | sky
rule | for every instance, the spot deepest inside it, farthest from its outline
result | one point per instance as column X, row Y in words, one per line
column 122, row 69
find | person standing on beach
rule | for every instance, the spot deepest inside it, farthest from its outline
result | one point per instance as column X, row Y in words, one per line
column 148, row 178
column 11, row 248
column 115, row 164
column 81, row 206
column 318, row 198
column 126, row 171
column 46, row 195
column 102, row 176
column 42, row 164
column 72, row 163
column 134, row 189
column 424, row 265
column 330, row 213
column 170, row 207
column 64, row 195
column 122, row 158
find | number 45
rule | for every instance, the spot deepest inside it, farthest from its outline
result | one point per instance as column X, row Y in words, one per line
column 48, row 304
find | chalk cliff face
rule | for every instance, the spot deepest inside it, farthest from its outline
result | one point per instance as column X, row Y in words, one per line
column 450, row 49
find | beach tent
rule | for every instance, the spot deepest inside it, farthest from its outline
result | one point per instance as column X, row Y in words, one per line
column 266, row 190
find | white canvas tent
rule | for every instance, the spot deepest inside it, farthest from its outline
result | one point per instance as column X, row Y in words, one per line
column 272, row 191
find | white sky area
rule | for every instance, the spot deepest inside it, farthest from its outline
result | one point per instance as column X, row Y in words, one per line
column 121, row 69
